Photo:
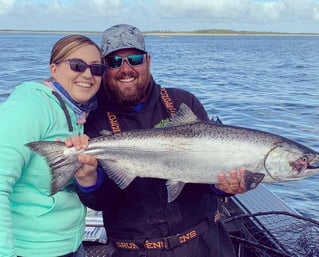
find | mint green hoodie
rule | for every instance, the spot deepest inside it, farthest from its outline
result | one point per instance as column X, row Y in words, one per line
column 32, row 223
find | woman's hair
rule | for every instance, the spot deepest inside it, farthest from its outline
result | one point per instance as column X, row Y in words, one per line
column 67, row 45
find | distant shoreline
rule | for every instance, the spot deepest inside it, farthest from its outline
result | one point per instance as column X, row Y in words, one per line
column 46, row 31
column 173, row 33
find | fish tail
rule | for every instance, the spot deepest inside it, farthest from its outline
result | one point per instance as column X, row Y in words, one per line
column 52, row 151
column 62, row 167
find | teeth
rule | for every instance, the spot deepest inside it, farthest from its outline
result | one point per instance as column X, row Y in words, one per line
column 83, row 84
column 126, row 80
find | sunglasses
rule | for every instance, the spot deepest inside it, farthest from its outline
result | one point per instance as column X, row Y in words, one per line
column 115, row 62
column 79, row 65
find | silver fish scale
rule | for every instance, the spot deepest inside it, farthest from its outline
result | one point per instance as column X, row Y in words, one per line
column 187, row 151
column 175, row 152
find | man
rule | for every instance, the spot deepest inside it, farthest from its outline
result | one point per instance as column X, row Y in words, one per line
column 139, row 220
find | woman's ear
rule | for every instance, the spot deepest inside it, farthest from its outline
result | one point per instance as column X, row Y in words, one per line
column 53, row 70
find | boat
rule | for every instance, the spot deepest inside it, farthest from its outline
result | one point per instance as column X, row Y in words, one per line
column 259, row 223
column 262, row 225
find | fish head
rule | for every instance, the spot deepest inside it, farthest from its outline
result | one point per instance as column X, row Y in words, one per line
column 291, row 161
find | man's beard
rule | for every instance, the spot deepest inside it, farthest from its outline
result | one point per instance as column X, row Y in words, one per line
column 127, row 101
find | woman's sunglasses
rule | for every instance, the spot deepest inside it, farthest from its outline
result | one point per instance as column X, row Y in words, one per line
column 115, row 62
column 79, row 65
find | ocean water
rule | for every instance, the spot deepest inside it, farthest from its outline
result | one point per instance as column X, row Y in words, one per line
column 269, row 83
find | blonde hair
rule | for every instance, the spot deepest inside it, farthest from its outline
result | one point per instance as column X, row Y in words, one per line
column 67, row 45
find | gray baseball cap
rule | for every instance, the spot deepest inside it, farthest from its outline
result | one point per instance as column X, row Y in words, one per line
column 122, row 36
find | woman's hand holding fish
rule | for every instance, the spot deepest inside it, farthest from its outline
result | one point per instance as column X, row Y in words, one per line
column 234, row 185
column 86, row 175
column 77, row 141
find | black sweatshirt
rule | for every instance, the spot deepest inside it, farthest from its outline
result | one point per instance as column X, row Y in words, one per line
column 141, row 210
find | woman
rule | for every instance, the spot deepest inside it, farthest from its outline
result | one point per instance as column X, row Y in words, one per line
column 33, row 223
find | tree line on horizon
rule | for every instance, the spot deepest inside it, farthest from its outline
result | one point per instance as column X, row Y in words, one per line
column 199, row 31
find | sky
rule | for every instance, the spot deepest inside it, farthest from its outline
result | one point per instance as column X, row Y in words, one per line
column 292, row 16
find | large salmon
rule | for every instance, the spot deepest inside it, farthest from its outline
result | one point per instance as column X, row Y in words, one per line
column 186, row 151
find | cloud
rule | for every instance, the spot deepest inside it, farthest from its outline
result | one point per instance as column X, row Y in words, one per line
column 96, row 15
column 6, row 5
column 61, row 15
column 239, row 10
column 241, row 13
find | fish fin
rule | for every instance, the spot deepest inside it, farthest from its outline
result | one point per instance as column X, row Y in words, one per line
column 252, row 179
column 121, row 177
column 183, row 116
column 105, row 132
column 62, row 168
column 217, row 121
column 174, row 188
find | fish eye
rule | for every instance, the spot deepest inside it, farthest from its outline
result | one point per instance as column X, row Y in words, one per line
column 304, row 159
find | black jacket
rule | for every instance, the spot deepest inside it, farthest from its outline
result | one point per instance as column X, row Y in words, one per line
column 141, row 210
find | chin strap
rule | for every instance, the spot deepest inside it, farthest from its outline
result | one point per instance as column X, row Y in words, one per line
column 65, row 110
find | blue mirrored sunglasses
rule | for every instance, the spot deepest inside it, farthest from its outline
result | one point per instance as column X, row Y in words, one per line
column 115, row 62
column 79, row 65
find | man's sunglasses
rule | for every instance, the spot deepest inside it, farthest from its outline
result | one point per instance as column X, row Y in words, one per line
column 79, row 65
column 115, row 62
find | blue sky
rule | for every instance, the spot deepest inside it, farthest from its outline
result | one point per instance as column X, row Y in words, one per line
column 163, row 15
